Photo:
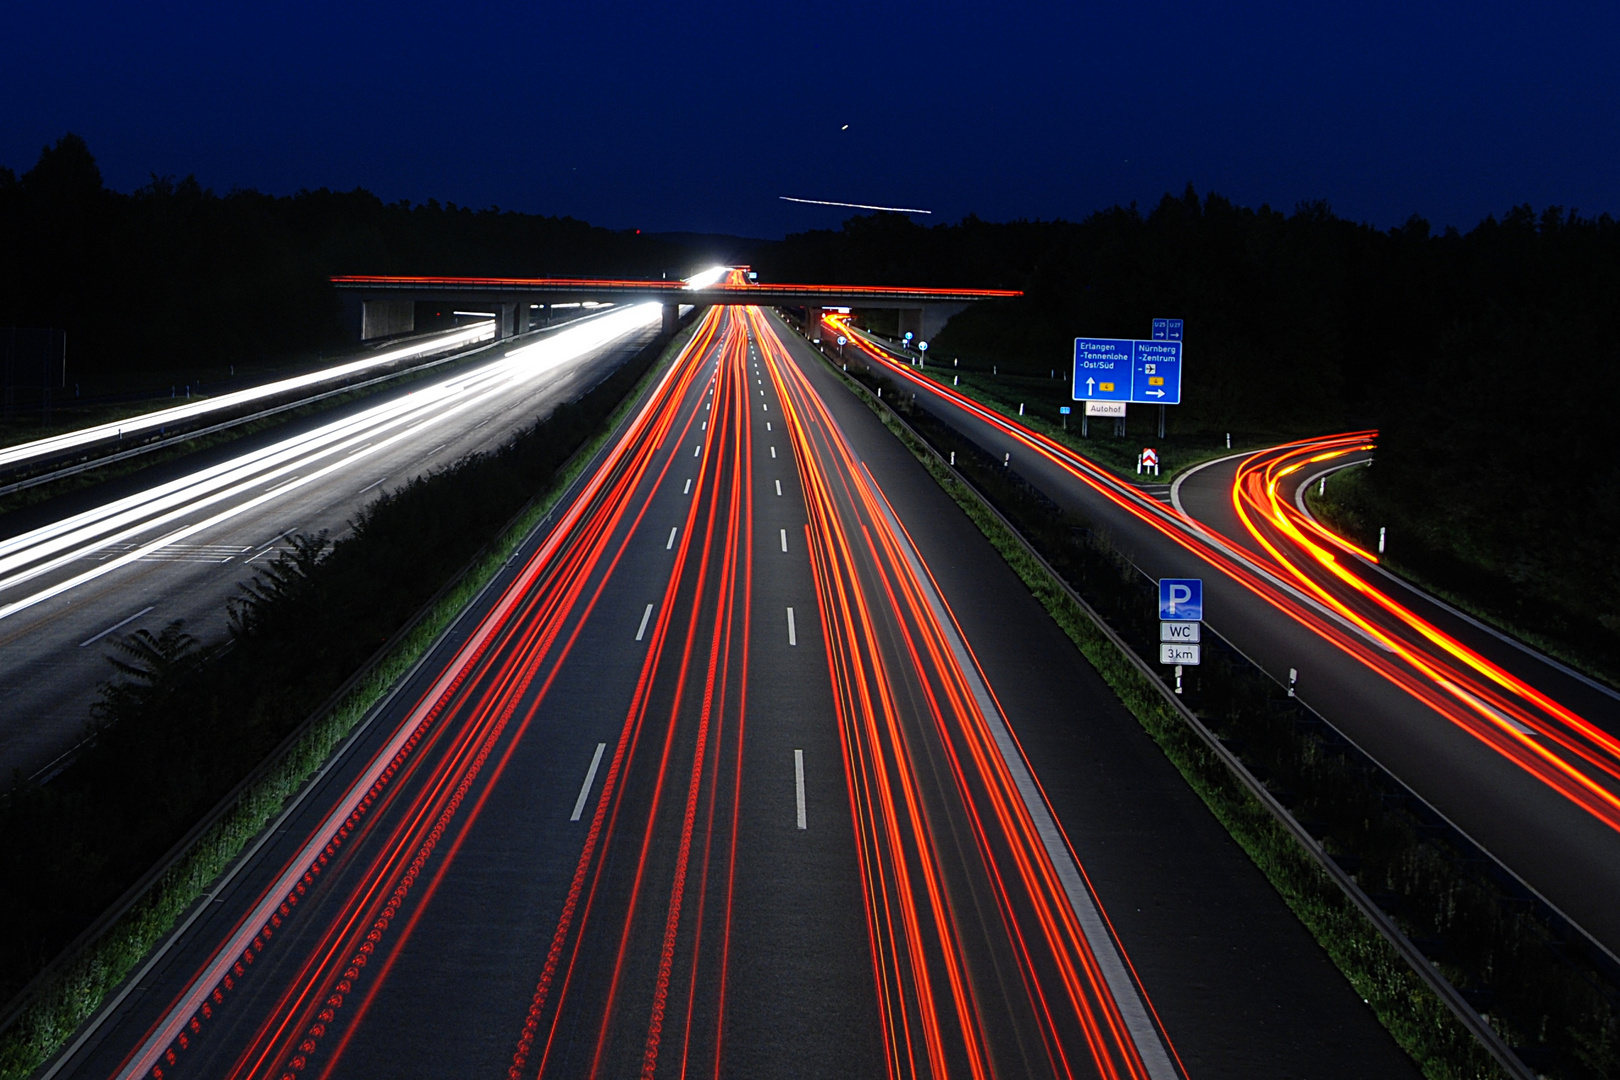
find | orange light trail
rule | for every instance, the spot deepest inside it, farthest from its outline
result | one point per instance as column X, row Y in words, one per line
column 1479, row 710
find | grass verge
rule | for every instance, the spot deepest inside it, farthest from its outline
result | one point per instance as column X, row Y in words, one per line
column 46, row 1014
column 1403, row 1001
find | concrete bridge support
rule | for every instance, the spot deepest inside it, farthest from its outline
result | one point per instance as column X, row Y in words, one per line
column 672, row 319
column 385, row 318
column 928, row 320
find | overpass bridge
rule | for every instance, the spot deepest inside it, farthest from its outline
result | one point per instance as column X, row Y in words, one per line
column 381, row 306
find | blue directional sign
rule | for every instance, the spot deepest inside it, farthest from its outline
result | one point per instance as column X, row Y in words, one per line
column 1181, row 599
column 1167, row 329
column 1064, row 409
column 1175, row 329
column 1120, row 369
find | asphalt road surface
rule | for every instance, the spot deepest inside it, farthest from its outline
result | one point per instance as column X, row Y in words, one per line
column 174, row 541
column 1533, row 780
column 756, row 762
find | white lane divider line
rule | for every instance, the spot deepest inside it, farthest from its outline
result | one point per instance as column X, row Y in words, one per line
column 705, row 426
column 784, row 539
column 114, row 626
column 764, row 406
column 369, row 486
column 779, row 487
column 585, row 788
column 436, row 449
column 642, row 629
column 793, row 634
column 688, row 490
column 698, row 449
column 773, row 451
column 767, row 425
column 670, row 543
column 798, row 782
column 284, row 483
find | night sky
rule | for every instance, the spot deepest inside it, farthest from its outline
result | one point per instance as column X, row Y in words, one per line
column 698, row 116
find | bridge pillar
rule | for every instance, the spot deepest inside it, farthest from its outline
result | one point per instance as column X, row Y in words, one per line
column 672, row 319
column 521, row 321
column 505, row 316
column 385, row 318
column 911, row 320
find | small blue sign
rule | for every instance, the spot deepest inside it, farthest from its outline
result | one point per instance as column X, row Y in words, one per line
column 1119, row 369
column 1064, row 409
column 1175, row 329
column 1161, row 329
column 1181, row 599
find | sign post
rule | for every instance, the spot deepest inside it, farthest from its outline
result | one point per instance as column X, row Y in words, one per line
column 1181, row 615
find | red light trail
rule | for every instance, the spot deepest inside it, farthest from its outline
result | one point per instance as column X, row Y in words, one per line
column 988, row 952
column 1482, row 699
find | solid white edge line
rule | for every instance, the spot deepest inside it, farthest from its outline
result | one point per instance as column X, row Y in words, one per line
column 798, row 782
column 162, row 1034
column 590, row 777
column 115, row 626
column 1121, row 985
column 793, row 635
column 645, row 615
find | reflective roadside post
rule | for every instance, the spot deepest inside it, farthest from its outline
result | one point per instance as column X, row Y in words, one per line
column 841, row 340
column 922, row 348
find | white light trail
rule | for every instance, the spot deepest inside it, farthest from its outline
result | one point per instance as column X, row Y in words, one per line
column 166, row 514
column 152, row 421
column 855, row 205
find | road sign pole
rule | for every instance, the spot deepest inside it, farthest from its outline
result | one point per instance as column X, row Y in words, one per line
column 1161, row 421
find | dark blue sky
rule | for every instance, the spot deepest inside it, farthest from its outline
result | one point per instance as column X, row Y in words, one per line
column 698, row 115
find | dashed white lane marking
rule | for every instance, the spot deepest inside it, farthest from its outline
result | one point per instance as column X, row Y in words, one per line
column 698, row 449
column 369, row 486
column 784, row 539
column 779, row 487
column 642, row 629
column 773, row 451
column 688, row 489
column 114, row 626
column 585, row 788
column 767, row 425
column 798, row 782
column 793, row 634
column 671, row 542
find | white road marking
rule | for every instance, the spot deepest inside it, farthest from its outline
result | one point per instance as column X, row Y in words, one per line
column 369, row 486
column 698, row 449
column 773, row 451
column 764, row 406
column 585, row 788
column 798, row 782
column 671, row 542
column 284, row 483
column 642, row 629
column 114, row 626
column 688, row 490
column 436, row 449
column 793, row 635
column 784, row 539
column 779, row 487
column 767, row 425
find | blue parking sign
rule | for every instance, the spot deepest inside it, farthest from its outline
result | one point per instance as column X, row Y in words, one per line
column 1181, row 599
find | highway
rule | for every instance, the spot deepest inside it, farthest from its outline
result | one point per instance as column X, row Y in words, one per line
column 1519, row 755
column 755, row 762
column 174, row 541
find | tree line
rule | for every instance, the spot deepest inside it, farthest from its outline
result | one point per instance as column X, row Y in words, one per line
column 174, row 276
column 1488, row 360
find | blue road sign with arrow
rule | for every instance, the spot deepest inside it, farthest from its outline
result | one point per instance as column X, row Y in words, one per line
column 1121, row 369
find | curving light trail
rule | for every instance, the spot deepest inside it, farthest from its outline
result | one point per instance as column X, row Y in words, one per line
column 1484, row 701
